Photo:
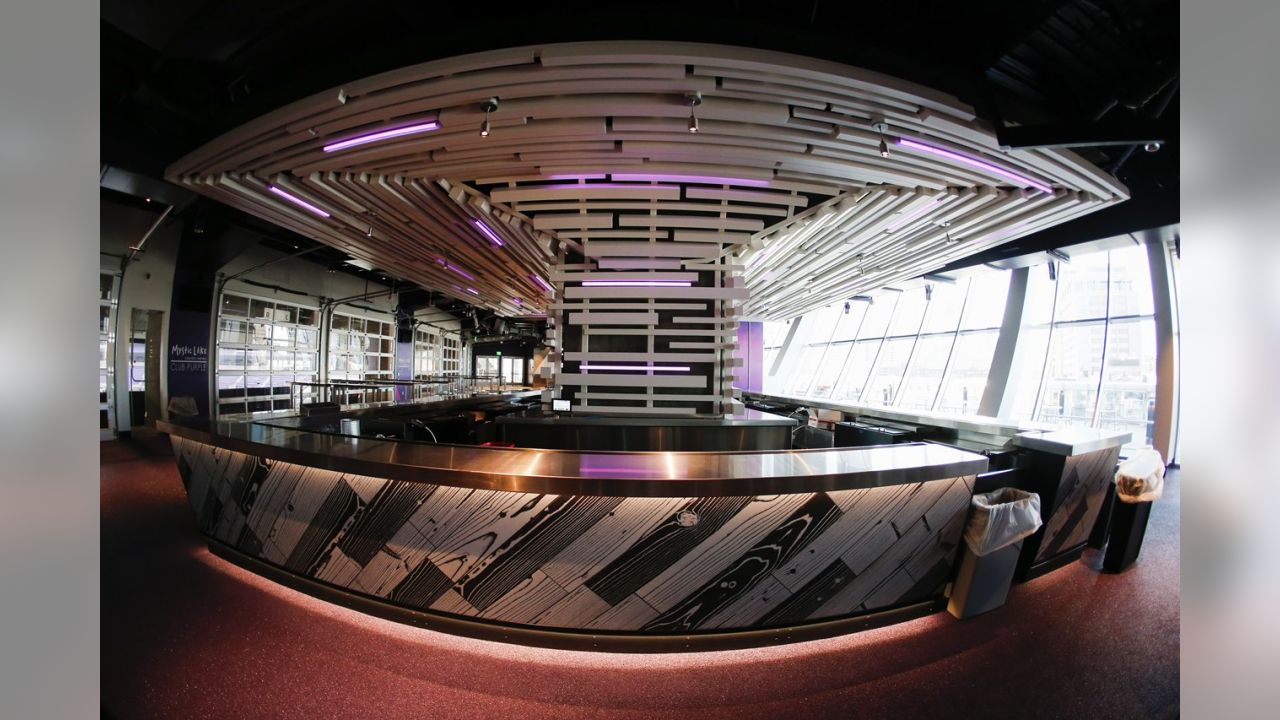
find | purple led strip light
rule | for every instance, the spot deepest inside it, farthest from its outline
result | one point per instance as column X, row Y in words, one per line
column 488, row 232
column 646, row 368
column 608, row 185
column 974, row 162
column 575, row 176
column 382, row 135
column 636, row 283
column 543, row 283
column 297, row 201
column 456, row 269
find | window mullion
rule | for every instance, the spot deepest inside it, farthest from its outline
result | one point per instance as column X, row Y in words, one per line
column 1102, row 366
column 1048, row 348
column 955, row 337
column 876, row 358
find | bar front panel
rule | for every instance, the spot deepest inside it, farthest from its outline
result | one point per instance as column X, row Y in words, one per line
column 652, row 565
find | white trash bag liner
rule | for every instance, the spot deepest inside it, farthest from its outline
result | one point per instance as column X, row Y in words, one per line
column 1001, row 518
column 1141, row 477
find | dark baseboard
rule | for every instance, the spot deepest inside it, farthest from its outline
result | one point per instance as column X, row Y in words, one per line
column 1062, row 559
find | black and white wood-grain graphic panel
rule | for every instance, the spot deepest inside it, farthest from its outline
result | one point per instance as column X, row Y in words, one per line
column 655, row 565
column 1081, row 492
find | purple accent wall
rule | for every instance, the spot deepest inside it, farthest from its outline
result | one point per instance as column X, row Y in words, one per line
column 751, row 350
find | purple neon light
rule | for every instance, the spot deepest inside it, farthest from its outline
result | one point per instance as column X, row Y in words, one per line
column 705, row 179
column 913, row 214
column 297, row 201
column 457, row 269
column 608, row 185
column 575, row 176
column 473, row 291
column 974, row 162
column 517, row 301
column 648, row 368
column 636, row 283
column 543, row 283
column 488, row 233
column 382, row 135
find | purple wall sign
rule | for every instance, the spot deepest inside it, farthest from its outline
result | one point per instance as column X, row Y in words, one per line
column 189, row 357
column 751, row 350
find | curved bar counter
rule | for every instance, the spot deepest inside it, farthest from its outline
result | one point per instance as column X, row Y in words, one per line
column 620, row 550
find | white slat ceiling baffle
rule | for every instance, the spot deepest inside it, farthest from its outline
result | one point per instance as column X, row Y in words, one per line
column 590, row 146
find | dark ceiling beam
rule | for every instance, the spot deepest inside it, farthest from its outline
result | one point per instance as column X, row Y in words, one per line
column 1156, row 207
column 143, row 186
column 1118, row 131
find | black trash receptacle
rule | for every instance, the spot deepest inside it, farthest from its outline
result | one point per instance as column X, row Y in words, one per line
column 1138, row 482
column 998, row 522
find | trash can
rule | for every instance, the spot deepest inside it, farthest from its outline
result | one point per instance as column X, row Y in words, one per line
column 1138, row 482
column 998, row 522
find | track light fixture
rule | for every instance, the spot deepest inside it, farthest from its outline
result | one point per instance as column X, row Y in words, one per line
column 489, row 106
column 694, row 100
column 1055, row 253
column 880, row 125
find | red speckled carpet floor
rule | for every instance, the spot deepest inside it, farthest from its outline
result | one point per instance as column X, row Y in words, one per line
column 188, row 635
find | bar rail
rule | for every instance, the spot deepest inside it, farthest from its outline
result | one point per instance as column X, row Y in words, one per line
column 609, row 474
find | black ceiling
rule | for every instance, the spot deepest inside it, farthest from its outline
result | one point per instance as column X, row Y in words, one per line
column 177, row 73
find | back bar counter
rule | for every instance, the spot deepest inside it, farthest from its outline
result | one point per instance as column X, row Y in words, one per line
column 627, row 551
column 1070, row 468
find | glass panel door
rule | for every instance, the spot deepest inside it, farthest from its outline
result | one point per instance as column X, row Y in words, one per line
column 512, row 371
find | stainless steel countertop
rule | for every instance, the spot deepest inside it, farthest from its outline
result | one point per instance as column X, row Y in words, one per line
column 1071, row 441
column 745, row 417
column 969, row 423
column 616, row 474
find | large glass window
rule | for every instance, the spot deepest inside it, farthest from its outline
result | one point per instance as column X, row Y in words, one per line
column 426, row 360
column 263, row 346
column 922, row 348
column 967, row 377
column 452, row 355
column 775, row 333
column 361, row 348
column 856, row 371
column 925, row 377
column 887, row 376
column 1070, row 386
column 829, row 370
column 106, row 314
column 1097, row 321
column 810, row 356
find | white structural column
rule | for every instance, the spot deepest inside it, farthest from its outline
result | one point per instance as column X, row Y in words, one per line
column 1167, row 370
column 1002, row 360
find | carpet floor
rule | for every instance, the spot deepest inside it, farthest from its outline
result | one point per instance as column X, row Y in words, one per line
column 188, row 635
